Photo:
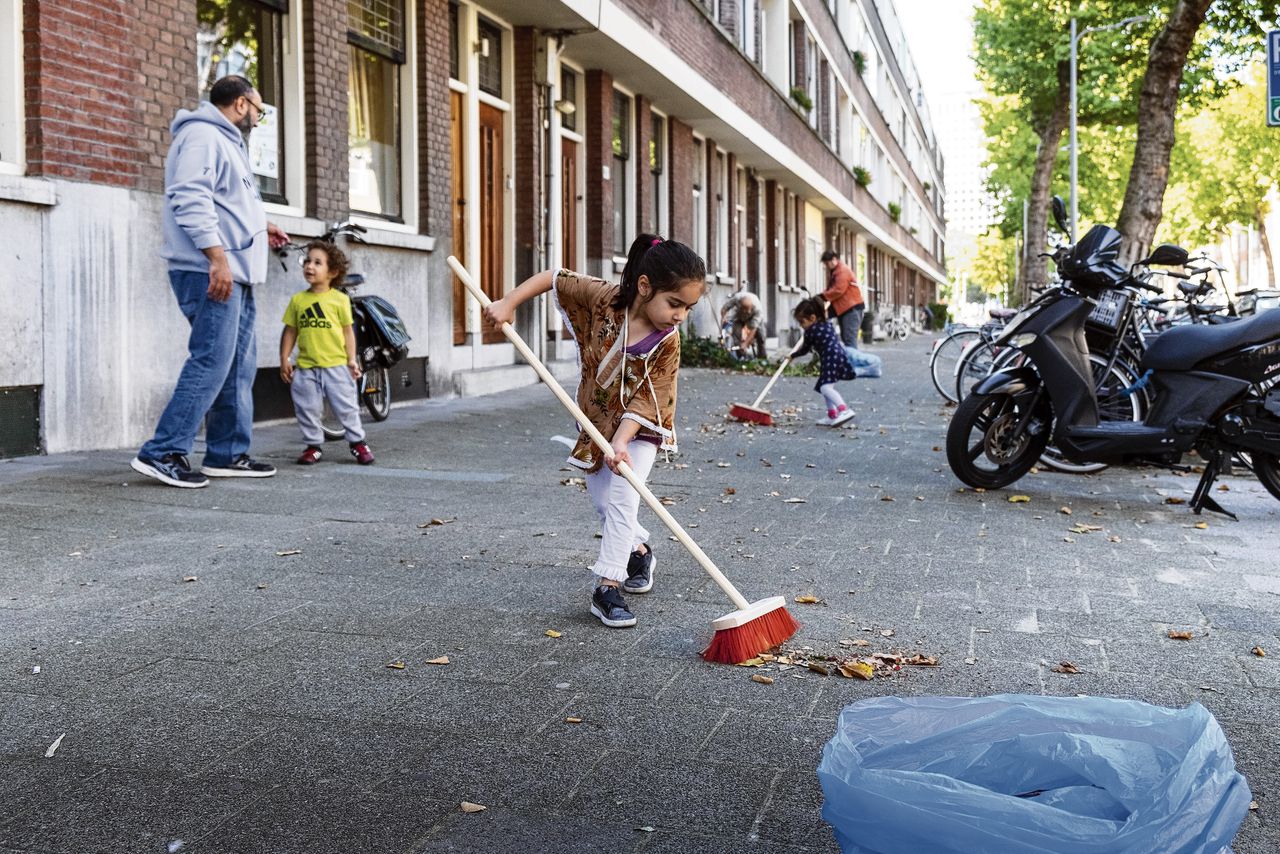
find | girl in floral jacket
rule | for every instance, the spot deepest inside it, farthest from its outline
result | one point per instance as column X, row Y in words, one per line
column 629, row 353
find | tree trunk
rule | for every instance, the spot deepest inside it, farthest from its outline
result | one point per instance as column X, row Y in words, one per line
column 1157, row 109
column 1266, row 247
column 1033, row 271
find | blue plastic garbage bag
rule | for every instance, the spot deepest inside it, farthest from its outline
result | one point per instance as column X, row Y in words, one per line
column 1040, row 775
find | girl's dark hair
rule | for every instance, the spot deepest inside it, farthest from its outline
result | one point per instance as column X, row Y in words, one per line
column 667, row 264
column 811, row 307
column 338, row 261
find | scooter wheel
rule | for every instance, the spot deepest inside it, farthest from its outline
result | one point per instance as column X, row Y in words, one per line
column 986, row 448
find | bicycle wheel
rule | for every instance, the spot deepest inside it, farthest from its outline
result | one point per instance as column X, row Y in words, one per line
column 974, row 367
column 942, row 364
column 375, row 391
column 1113, row 405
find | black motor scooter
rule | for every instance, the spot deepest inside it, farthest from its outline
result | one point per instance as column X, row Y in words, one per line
column 1215, row 388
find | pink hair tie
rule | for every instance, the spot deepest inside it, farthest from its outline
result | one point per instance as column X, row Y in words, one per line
column 656, row 241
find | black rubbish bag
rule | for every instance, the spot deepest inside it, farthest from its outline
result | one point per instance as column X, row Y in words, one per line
column 385, row 329
column 1030, row 775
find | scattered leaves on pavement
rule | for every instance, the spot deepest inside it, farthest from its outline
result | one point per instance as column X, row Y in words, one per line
column 48, row 754
column 1201, row 525
column 794, row 501
column 467, row 806
column 857, row 669
column 1173, row 499
column 807, row 599
column 761, row 678
column 1019, row 499
column 288, row 552
column 1180, row 634
column 1259, row 651
column 887, row 633
column 188, row 579
column 552, row 633
column 435, row 523
column 573, row 719
column 1065, row 667
column 444, row 659
column 1065, row 511
column 395, row 665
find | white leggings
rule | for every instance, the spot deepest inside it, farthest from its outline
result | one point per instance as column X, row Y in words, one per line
column 832, row 397
column 617, row 504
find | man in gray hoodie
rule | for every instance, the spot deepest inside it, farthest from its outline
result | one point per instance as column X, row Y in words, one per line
column 216, row 238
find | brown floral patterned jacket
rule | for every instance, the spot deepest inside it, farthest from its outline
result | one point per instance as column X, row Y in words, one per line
column 614, row 386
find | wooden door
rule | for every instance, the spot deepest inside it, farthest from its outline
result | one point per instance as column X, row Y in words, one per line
column 569, row 203
column 459, row 197
column 492, row 208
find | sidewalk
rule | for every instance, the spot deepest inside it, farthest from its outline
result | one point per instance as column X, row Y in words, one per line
column 218, row 658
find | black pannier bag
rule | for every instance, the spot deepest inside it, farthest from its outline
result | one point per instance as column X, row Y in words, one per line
column 383, row 328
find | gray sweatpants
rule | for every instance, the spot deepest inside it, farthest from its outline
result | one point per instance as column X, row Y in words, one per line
column 311, row 387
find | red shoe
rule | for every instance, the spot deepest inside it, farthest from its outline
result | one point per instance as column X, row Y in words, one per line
column 361, row 452
column 310, row 456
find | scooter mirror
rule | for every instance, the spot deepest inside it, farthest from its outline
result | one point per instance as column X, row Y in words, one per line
column 1059, row 209
column 1166, row 255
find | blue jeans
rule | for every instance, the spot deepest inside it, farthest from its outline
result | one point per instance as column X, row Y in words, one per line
column 850, row 322
column 217, row 378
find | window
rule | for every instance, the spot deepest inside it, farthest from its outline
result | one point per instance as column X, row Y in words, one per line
column 12, row 154
column 376, row 37
column 569, row 95
column 811, row 74
column 722, row 212
column 657, row 158
column 700, row 197
column 455, row 60
column 750, row 11
column 490, row 41
column 246, row 37
column 618, row 175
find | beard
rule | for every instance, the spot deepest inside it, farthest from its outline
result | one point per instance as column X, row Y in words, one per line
column 245, row 126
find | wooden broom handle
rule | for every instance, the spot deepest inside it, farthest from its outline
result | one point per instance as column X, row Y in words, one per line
column 755, row 404
column 602, row 443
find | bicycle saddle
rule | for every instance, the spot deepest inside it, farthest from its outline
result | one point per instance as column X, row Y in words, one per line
column 1186, row 346
column 1003, row 313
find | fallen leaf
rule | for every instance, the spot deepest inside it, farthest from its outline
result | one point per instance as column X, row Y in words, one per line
column 444, row 659
column 861, row 642
column 979, row 489
column 1067, row 540
column 919, row 498
column 395, row 665
column 1259, row 651
column 936, row 448
column 1253, row 805
column 191, row 578
column 1177, row 634
column 1224, row 488
column 1201, row 525
column 857, row 669
column 1173, row 499
column 761, row 678
column 288, row 552
column 552, row 633
column 807, row 599
column 1019, row 499
column 887, row 498
column 887, row 633
column 467, row 806
column 971, row 661
column 646, row 829
column 817, row 668
column 794, row 501
column 729, row 490
column 723, row 465
column 1113, row 539
column 262, row 586
column 53, row 747
column 573, row 720
column 666, row 500
column 919, row 660
column 1065, row 511
column 1065, row 667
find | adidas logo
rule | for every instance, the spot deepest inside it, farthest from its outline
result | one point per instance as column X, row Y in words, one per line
column 313, row 318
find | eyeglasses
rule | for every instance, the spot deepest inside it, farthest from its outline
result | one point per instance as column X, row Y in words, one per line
column 258, row 108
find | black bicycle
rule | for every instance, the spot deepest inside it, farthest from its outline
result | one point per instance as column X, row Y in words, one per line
column 381, row 338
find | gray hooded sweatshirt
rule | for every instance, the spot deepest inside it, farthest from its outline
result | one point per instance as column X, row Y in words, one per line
column 212, row 197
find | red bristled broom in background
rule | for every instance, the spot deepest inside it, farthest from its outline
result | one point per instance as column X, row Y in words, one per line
column 752, row 411
column 739, row 635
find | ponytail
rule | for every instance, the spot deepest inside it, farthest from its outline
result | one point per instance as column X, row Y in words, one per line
column 667, row 264
column 810, row 307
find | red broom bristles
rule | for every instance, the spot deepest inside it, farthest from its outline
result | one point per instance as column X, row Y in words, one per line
column 743, row 412
column 744, row 642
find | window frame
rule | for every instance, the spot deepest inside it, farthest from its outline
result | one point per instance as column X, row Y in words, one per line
column 625, row 162
column 700, row 193
column 407, row 222
column 13, row 154
column 660, row 178
column 723, row 226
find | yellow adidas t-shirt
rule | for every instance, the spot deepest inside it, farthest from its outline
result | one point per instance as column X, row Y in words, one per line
column 319, row 319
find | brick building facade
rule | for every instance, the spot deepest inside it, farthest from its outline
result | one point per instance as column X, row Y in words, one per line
column 513, row 133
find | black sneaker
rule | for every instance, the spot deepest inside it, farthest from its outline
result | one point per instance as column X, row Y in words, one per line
column 244, row 466
column 171, row 469
column 607, row 604
column 640, row 571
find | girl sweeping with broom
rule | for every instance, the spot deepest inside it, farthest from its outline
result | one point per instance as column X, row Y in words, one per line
column 629, row 353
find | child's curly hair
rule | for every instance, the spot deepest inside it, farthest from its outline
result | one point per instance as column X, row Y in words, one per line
column 339, row 263
column 811, row 307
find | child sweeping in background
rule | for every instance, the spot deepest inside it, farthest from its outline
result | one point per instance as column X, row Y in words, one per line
column 320, row 322
column 834, row 364
column 629, row 353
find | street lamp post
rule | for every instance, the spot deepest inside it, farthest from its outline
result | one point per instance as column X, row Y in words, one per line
column 1075, row 40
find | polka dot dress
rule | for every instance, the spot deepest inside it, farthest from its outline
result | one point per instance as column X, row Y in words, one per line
column 834, row 363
